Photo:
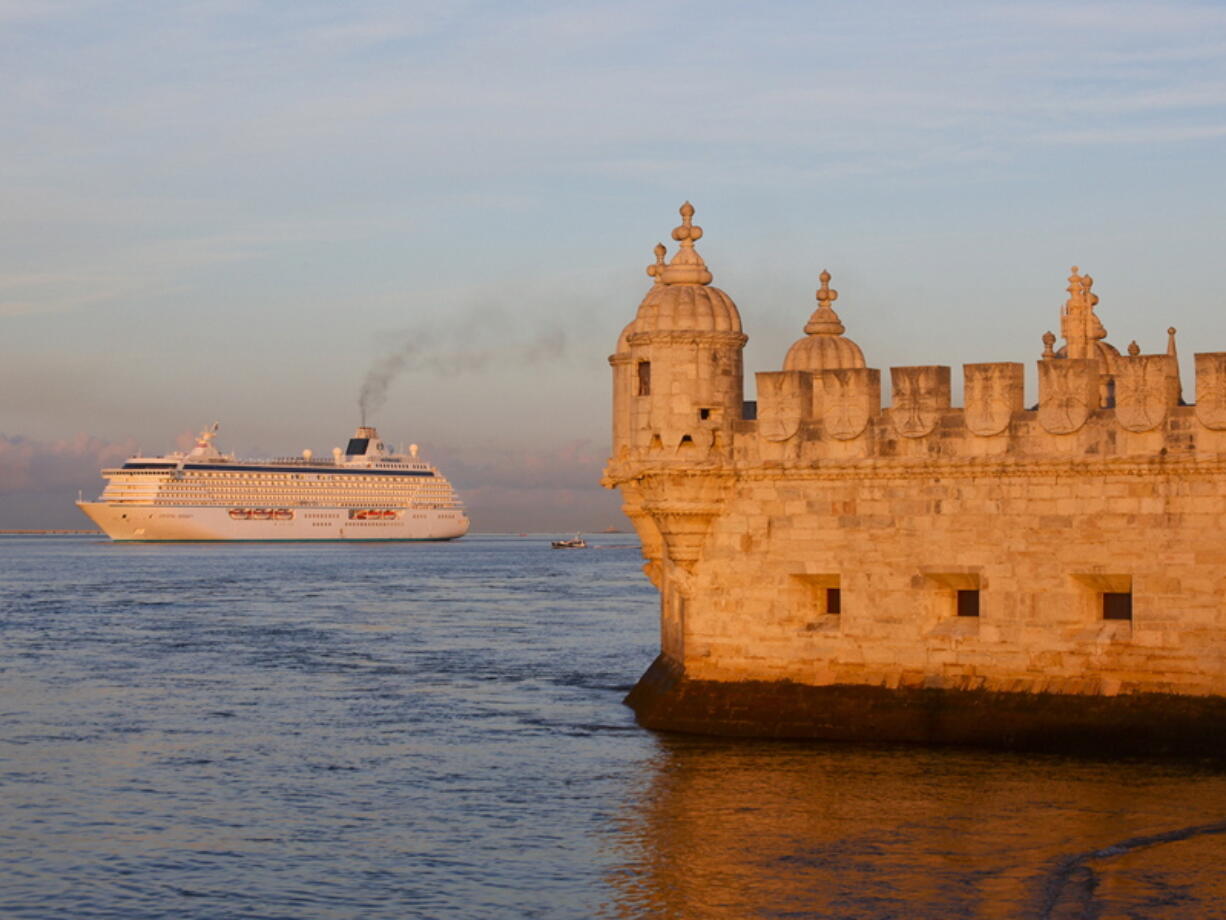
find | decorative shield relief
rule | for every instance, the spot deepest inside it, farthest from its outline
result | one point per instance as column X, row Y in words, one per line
column 1211, row 389
column 785, row 399
column 849, row 398
column 1143, row 391
column 992, row 393
column 1068, row 393
column 921, row 394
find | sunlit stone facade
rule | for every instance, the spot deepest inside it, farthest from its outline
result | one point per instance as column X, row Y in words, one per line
column 989, row 573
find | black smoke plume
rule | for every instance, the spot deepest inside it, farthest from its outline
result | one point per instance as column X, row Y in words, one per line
column 449, row 352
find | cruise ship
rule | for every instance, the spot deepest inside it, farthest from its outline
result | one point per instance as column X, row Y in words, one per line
column 365, row 492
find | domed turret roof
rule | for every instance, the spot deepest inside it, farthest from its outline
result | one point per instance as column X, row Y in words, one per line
column 683, row 298
column 824, row 347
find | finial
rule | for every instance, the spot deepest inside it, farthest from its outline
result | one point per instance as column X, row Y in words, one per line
column 687, row 266
column 687, row 230
column 1075, row 286
column 1133, row 348
column 657, row 270
column 824, row 320
column 1087, row 283
column 1170, row 350
column 1049, row 342
column 825, row 295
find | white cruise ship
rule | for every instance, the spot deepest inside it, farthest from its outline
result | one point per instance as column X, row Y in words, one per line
column 365, row 492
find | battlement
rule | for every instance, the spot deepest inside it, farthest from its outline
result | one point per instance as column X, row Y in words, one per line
column 836, row 567
column 837, row 415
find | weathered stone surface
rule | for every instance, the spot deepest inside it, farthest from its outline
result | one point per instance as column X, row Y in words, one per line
column 921, row 395
column 993, row 392
column 1211, row 390
column 785, row 400
column 848, row 399
column 1144, row 392
column 1068, row 393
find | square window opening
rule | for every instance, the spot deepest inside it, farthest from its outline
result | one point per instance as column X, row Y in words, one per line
column 1117, row 605
column 968, row 602
column 819, row 595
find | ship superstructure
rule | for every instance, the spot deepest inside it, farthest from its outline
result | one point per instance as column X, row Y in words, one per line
column 364, row 492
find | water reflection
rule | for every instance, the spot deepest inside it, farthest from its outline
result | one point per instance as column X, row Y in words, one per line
column 737, row 830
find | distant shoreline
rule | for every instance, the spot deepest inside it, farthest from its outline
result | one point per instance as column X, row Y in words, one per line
column 98, row 533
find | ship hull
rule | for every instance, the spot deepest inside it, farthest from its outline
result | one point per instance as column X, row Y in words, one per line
column 137, row 523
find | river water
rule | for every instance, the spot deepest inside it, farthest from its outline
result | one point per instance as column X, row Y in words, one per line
column 435, row 731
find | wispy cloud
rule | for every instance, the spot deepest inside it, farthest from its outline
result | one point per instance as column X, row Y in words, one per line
column 67, row 465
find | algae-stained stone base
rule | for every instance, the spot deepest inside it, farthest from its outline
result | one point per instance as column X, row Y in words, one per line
column 1163, row 724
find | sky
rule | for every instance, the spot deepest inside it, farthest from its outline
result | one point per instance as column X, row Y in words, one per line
column 234, row 211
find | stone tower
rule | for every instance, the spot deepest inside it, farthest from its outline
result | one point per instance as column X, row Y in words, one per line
column 677, row 373
column 1050, row 577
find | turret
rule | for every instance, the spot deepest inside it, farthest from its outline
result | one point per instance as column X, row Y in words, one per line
column 824, row 347
column 677, row 373
column 1085, row 336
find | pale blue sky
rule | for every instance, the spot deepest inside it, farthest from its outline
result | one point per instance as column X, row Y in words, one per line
column 229, row 210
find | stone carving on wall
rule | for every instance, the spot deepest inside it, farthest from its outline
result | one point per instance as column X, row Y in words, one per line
column 921, row 394
column 784, row 400
column 849, row 398
column 1143, row 391
column 1211, row 389
column 993, row 392
column 1068, row 393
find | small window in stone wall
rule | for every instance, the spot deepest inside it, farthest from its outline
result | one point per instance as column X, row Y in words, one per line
column 1105, row 596
column 1117, row 605
column 956, row 593
column 644, row 378
column 968, row 603
column 834, row 600
column 818, row 595
column 704, row 414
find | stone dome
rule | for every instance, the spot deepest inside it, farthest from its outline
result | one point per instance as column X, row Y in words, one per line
column 683, row 298
column 824, row 347
column 697, row 307
column 823, row 353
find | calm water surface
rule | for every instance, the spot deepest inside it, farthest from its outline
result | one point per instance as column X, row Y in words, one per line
column 435, row 731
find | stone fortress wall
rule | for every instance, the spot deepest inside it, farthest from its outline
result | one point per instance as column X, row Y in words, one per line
column 1071, row 550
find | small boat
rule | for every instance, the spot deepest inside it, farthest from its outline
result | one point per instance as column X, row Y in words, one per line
column 577, row 543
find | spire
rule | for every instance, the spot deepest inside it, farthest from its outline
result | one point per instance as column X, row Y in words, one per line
column 1079, row 324
column 1049, row 343
column 687, row 266
column 1170, row 350
column 1094, row 324
column 1076, row 289
column 824, row 320
column 657, row 270
column 1133, row 349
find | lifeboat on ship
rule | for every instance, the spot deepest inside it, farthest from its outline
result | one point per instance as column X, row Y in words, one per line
column 240, row 514
column 283, row 514
column 261, row 514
